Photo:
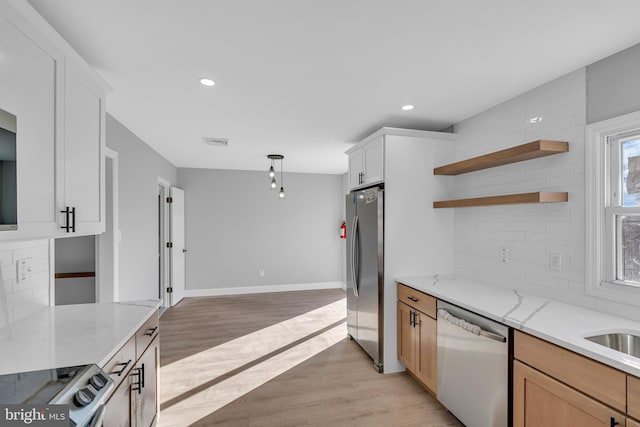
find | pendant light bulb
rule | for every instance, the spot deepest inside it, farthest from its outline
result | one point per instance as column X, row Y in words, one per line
column 273, row 184
column 281, row 195
column 272, row 173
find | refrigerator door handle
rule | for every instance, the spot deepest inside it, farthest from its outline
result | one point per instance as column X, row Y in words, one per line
column 354, row 272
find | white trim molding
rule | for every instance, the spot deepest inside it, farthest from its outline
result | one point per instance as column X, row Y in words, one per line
column 596, row 199
column 260, row 289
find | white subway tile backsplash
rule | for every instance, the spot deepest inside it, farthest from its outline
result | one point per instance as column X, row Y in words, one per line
column 531, row 232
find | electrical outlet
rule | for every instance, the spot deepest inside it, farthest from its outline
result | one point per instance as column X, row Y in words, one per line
column 555, row 262
column 503, row 255
column 262, row 272
column 24, row 271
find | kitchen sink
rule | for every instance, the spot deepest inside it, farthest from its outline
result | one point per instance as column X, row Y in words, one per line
column 624, row 343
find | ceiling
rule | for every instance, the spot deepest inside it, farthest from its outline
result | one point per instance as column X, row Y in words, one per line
column 309, row 78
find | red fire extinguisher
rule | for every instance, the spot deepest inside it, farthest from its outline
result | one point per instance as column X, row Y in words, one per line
column 343, row 230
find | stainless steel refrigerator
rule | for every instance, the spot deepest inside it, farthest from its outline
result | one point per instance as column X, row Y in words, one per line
column 365, row 270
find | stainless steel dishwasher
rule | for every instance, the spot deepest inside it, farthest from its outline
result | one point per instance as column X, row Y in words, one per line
column 473, row 367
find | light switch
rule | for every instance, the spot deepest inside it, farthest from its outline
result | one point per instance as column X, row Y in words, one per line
column 24, row 269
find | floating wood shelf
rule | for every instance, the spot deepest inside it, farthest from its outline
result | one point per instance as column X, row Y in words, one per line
column 74, row 275
column 508, row 199
column 531, row 150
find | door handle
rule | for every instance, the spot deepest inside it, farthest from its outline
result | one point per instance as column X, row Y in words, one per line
column 353, row 256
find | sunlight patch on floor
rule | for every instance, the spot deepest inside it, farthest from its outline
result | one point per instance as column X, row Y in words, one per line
column 207, row 401
column 202, row 383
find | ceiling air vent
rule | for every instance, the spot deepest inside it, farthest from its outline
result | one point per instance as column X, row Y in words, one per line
column 218, row 142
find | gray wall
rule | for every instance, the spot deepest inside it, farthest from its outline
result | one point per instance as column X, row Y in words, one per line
column 139, row 169
column 613, row 85
column 236, row 225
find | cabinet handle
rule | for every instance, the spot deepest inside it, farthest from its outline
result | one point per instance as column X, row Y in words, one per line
column 70, row 219
column 142, row 378
column 139, row 384
column 412, row 298
column 412, row 318
column 66, row 212
column 124, row 368
column 151, row 331
column 614, row 423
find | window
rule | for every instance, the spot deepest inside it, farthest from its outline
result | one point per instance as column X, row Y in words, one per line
column 613, row 208
column 622, row 210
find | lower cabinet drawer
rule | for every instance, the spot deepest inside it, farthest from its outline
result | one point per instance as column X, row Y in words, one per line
column 119, row 366
column 146, row 334
column 418, row 300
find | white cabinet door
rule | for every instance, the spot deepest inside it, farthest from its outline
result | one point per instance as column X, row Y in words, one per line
column 27, row 90
column 355, row 169
column 366, row 164
column 373, row 160
column 81, row 155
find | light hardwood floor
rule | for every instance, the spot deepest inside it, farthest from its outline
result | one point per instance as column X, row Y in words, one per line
column 278, row 359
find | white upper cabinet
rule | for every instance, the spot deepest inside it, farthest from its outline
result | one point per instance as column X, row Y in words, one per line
column 27, row 91
column 81, row 155
column 366, row 163
column 59, row 105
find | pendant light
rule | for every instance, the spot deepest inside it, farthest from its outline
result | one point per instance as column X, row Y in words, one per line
column 281, row 194
column 272, row 173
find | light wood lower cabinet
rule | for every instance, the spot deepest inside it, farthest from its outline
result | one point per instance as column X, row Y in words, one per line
column 540, row 400
column 406, row 337
column 417, row 348
column 135, row 402
column 553, row 386
column 145, row 390
column 118, row 408
column 426, row 369
column 633, row 396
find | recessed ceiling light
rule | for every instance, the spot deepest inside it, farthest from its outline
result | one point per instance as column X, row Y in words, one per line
column 536, row 119
column 207, row 82
column 407, row 107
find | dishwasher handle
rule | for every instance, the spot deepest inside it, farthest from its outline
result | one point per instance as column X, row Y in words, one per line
column 492, row 335
column 469, row 327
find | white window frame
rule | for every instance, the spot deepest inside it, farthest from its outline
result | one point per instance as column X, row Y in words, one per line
column 600, row 239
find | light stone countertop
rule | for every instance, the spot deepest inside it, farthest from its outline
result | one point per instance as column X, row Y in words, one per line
column 70, row 335
column 562, row 324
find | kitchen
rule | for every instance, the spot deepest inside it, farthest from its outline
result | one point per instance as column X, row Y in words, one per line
column 531, row 234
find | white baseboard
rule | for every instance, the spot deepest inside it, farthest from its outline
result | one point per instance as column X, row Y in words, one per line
column 343, row 285
column 241, row 290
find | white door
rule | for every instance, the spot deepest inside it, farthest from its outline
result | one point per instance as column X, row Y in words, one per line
column 178, row 249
